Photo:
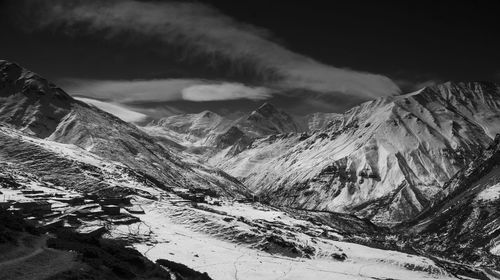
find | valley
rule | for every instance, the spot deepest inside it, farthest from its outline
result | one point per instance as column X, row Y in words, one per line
column 401, row 187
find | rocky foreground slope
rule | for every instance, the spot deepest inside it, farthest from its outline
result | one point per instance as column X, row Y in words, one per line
column 27, row 254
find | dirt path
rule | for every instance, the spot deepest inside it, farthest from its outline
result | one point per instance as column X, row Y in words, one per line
column 23, row 258
column 39, row 262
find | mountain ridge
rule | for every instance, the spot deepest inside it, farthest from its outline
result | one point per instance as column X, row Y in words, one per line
column 389, row 160
column 32, row 104
column 464, row 223
column 383, row 153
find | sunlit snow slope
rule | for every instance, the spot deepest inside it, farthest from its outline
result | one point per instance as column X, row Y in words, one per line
column 38, row 108
column 385, row 159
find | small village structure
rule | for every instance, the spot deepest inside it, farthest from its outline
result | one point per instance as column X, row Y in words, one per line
column 36, row 208
column 78, row 216
column 110, row 209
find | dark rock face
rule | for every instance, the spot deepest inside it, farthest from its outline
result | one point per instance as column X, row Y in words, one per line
column 229, row 138
column 267, row 120
column 235, row 139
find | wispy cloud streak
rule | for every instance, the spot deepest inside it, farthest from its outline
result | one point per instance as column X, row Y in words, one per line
column 163, row 90
column 202, row 31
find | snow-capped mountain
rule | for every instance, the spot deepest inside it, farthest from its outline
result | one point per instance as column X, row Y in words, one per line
column 40, row 109
column 386, row 159
column 208, row 129
column 378, row 159
column 189, row 129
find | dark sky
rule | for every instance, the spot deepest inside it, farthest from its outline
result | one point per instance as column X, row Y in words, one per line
column 413, row 43
column 411, row 40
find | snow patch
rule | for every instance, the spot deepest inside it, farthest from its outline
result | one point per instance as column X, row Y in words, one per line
column 489, row 194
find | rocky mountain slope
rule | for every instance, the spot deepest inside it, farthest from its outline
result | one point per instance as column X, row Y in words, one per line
column 267, row 120
column 386, row 159
column 40, row 109
column 190, row 129
column 212, row 131
column 465, row 224
column 316, row 121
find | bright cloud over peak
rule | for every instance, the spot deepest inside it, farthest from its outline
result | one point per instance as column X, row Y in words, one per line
column 224, row 91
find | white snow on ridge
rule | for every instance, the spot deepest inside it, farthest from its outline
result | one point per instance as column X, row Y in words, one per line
column 112, row 171
column 490, row 194
column 495, row 250
column 69, row 150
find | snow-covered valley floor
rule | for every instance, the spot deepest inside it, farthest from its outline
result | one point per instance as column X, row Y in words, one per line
column 205, row 242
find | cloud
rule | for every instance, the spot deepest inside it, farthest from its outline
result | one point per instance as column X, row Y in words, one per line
column 225, row 91
column 199, row 31
column 162, row 90
column 120, row 111
column 129, row 91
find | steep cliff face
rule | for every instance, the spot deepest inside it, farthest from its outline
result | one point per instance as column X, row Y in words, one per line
column 40, row 109
column 386, row 159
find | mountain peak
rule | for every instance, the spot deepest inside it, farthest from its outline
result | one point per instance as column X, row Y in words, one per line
column 9, row 69
column 266, row 106
column 30, row 102
column 266, row 110
column 267, row 120
column 17, row 80
column 456, row 87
